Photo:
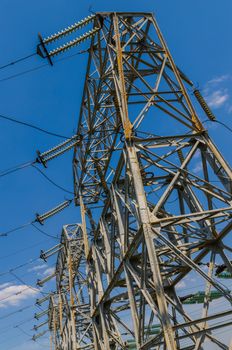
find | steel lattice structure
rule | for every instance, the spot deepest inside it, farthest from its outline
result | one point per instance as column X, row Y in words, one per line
column 155, row 199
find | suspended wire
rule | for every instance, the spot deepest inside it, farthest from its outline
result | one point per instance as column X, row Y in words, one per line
column 219, row 122
column 21, row 281
column 44, row 233
column 12, row 295
column 23, row 249
column 18, row 60
column 24, row 321
column 41, row 218
column 16, row 168
column 14, row 120
column 9, row 327
column 15, row 312
column 41, row 66
column 31, row 261
column 51, row 181
column 24, row 72
column 14, row 279
column 21, row 330
column 42, row 158
column 30, row 287
column 5, row 234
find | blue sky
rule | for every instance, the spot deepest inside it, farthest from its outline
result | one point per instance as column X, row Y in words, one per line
column 198, row 34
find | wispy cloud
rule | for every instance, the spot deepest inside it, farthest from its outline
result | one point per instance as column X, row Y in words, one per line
column 197, row 154
column 12, row 295
column 216, row 92
column 217, row 98
column 220, row 79
column 48, row 271
column 198, row 167
column 181, row 285
column 4, row 285
column 37, row 268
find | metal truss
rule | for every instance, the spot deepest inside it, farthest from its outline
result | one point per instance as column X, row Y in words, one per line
column 68, row 308
column 155, row 199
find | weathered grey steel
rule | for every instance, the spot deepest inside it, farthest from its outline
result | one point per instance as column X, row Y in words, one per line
column 155, row 201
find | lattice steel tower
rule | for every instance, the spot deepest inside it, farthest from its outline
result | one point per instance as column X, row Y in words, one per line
column 155, row 199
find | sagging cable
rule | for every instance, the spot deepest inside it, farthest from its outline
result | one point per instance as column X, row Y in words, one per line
column 41, row 218
column 56, row 151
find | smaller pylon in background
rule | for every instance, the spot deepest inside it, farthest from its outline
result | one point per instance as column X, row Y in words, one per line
column 68, row 308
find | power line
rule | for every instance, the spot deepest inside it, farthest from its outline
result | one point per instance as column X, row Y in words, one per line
column 15, row 312
column 31, row 261
column 219, row 122
column 33, row 127
column 41, row 218
column 5, row 234
column 23, row 249
column 23, row 72
column 41, row 66
column 30, row 287
column 18, row 60
column 51, row 181
column 16, row 168
column 15, row 294
column 44, row 233
column 51, row 156
column 9, row 327
column 14, row 279
column 21, row 330
column 21, row 281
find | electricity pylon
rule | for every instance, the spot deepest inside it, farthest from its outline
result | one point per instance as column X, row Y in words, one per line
column 154, row 194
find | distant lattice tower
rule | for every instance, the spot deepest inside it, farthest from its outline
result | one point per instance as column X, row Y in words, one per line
column 154, row 194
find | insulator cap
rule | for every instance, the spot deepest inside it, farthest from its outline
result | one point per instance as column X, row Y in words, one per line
column 204, row 105
column 69, row 30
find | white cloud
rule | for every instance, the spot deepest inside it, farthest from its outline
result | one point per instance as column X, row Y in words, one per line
column 216, row 92
column 220, row 79
column 197, row 154
column 37, row 268
column 4, row 285
column 12, row 295
column 181, row 285
column 217, row 98
column 198, row 167
column 48, row 271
